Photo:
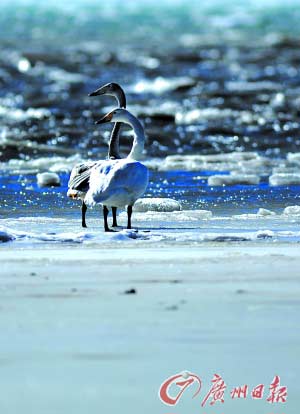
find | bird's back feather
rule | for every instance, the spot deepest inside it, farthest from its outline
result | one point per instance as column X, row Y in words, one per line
column 117, row 182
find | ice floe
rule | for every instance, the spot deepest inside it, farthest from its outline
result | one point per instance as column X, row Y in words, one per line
column 263, row 212
column 209, row 114
column 172, row 216
column 8, row 234
column 234, row 161
column 284, row 179
column 17, row 114
column 161, row 85
column 48, row 179
column 254, row 87
column 294, row 157
column 292, row 211
column 238, row 163
column 157, row 204
column 41, row 164
column 233, row 179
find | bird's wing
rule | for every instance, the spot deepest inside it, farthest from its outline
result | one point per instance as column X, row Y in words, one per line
column 101, row 175
column 115, row 175
column 80, row 175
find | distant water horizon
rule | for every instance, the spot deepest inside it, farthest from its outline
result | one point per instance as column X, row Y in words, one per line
column 30, row 20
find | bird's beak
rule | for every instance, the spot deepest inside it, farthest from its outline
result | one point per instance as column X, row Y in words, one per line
column 100, row 91
column 106, row 118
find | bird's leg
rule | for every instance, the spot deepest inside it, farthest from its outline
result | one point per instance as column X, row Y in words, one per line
column 83, row 211
column 105, row 215
column 129, row 213
column 114, row 211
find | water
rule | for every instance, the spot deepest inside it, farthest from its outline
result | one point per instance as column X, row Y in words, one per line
column 207, row 78
column 211, row 214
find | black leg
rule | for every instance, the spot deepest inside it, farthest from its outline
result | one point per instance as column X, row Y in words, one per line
column 105, row 215
column 114, row 211
column 83, row 211
column 129, row 213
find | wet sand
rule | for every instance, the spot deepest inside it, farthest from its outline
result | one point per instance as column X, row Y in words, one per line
column 74, row 341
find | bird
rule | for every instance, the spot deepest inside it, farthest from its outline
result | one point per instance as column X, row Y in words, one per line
column 78, row 184
column 119, row 182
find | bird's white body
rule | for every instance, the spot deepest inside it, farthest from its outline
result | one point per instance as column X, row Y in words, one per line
column 120, row 183
column 117, row 183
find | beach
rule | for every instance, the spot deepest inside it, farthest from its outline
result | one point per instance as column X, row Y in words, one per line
column 75, row 340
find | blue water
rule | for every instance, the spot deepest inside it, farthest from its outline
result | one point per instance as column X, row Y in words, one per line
column 20, row 195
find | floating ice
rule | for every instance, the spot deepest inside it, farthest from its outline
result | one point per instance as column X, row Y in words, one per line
column 284, row 179
column 8, row 234
column 157, row 204
column 292, row 211
column 294, row 157
column 61, row 75
column 52, row 164
column 161, row 85
column 233, row 179
column 48, row 179
column 239, row 161
column 248, row 87
column 207, row 114
column 17, row 114
column 264, row 212
column 172, row 216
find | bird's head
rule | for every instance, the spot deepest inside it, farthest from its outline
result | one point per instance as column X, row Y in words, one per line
column 116, row 115
column 112, row 89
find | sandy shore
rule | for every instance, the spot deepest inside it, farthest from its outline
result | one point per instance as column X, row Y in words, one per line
column 73, row 341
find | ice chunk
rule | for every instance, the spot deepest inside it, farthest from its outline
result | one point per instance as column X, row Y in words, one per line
column 233, row 179
column 172, row 216
column 265, row 212
column 292, row 211
column 211, row 114
column 52, row 164
column 284, row 179
column 161, row 85
column 239, row 161
column 48, row 179
column 20, row 115
column 294, row 157
column 254, row 87
column 157, row 204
